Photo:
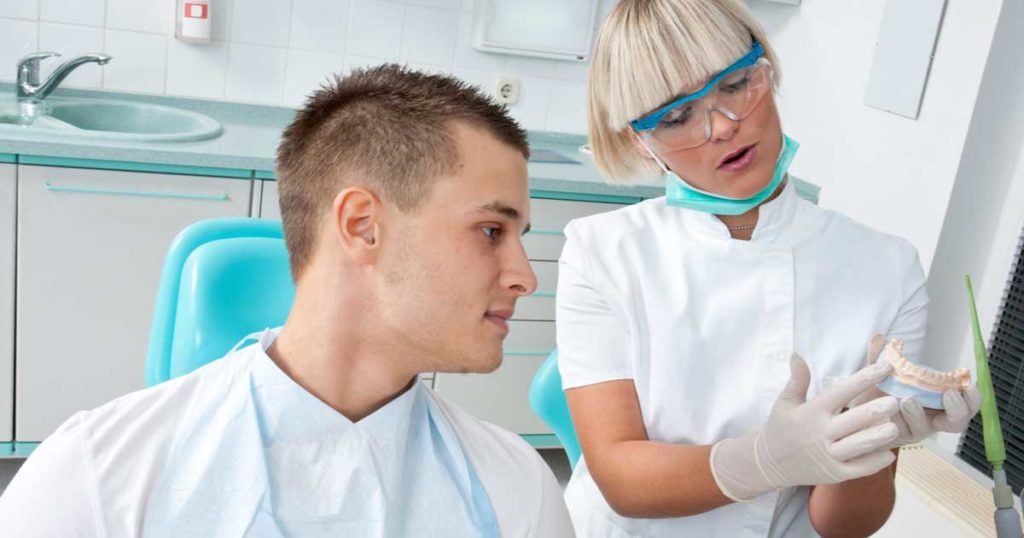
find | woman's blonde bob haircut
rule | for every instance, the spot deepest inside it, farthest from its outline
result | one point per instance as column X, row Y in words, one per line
column 650, row 51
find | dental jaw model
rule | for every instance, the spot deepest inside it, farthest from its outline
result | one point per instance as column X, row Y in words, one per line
column 919, row 382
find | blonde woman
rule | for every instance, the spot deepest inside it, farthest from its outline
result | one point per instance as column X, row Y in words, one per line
column 682, row 320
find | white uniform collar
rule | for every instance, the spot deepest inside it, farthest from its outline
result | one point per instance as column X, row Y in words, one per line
column 773, row 218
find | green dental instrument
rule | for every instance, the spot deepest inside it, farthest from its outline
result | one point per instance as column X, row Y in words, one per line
column 1007, row 519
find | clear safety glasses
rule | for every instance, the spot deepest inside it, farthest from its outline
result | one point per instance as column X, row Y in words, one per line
column 686, row 122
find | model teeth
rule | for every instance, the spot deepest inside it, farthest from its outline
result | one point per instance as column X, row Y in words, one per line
column 923, row 377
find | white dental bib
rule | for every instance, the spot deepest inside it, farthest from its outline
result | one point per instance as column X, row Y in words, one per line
column 237, row 448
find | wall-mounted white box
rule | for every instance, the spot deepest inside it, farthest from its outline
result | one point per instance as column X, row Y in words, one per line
column 903, row 55
column 562, row 30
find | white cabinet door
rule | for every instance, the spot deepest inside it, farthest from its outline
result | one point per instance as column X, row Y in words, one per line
column 501, row 397
column 549, row 217
column 8, row 187
column 91, row 244
column 541, row 305
column 269, row 208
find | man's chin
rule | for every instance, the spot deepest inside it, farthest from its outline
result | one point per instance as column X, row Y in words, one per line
column 476, row 365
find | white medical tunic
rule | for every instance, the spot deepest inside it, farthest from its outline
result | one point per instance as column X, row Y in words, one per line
column 704, row 326
column 237, row 448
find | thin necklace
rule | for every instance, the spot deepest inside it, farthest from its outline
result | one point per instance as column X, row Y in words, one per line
column 741, row 228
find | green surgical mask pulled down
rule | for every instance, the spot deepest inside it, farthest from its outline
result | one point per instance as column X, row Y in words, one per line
column 679, row 193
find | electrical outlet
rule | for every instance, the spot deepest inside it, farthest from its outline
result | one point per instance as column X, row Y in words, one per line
column 506, row 90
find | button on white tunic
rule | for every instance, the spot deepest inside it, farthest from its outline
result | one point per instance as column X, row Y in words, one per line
column 239, row 449
column 704, row 325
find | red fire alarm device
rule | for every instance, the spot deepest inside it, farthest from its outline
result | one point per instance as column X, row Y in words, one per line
column 193, row 21
column 196, row 10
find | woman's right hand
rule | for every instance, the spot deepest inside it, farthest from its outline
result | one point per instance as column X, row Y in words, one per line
column 914, row 422
column 806, row 443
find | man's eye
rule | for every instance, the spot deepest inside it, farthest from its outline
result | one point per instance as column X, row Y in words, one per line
column 492, row 232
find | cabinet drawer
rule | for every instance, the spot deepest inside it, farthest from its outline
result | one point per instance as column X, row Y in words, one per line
column 270, row 207
column 540, row 306
column 530, row 337
column 548, row 221
column 544, row 245
column 500, row 397
column 91, row 245
column 7, row 250
column 555, row 214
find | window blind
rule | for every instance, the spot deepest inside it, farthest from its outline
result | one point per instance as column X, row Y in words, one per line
column 1006, row 361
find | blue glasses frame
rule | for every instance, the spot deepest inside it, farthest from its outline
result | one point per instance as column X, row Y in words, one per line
column 651, row 120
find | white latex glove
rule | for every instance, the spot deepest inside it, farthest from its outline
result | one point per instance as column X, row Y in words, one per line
column 810, row 443
column 914, row 421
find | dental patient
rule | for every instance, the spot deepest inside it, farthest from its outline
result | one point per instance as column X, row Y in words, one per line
column 403, row 197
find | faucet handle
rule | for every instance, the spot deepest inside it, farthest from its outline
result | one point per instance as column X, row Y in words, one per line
column 42, row 55
column 28, row 67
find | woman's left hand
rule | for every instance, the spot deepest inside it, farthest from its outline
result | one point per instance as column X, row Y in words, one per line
column 914, row 421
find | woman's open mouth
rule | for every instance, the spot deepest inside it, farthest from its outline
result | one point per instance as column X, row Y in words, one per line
column 739, row 159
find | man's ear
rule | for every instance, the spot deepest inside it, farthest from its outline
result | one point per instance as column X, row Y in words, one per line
column 356, row 216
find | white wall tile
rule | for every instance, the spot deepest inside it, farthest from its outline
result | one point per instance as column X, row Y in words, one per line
column 261, row 22
column 276, row 51
column 70, row 41
column 196, row 70
column 375, row 29
column 430, row 69
column 17, row 38
column 320, row 25
column 153, row 16
column 88, row 12
column 429, row 35
column 353, row 62
column 531, row 110
column 467, row 56
column 256, row 73
column 139, row 63
column 307, row 71
column 484, row 80
column 527, row 65
column 445, row 4
column 19, row 9
column 567, row 108
column 567, row 70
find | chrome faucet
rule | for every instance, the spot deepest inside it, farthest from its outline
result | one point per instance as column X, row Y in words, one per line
column 31, row 92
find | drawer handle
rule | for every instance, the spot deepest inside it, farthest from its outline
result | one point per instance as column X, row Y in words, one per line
column 180, row 196
column 546, row 232
column 528, row 353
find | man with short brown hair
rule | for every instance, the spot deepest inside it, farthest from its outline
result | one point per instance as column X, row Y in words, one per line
column 403, row 199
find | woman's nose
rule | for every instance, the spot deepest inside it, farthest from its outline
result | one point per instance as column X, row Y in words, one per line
column 723, row 126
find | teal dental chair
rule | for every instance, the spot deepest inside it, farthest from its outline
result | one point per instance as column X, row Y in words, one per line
column 548, row 401
column 222, row 280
